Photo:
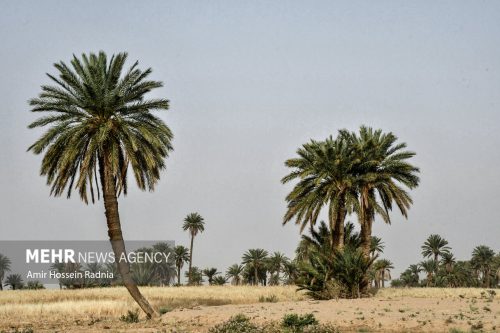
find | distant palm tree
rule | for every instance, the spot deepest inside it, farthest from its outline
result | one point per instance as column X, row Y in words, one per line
column 234, row 273
column 382, row 268
column 435, row 246
column 210, row 273
column 430, row 268
column 376, row 246
column 195, row 224
column 255, row 259
column 482, row 260
column 181, row 256
column 165, row 268
column 101, row 126
column 219, row 280
column 196, row 276
column 4, row 267
column 275, row 264
column 14, row 281
column 448, row 260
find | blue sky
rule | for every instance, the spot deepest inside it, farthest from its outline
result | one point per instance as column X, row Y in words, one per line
column 249, row 82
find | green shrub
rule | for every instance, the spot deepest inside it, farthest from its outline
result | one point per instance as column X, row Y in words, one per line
column 130, row 317
column 236, row 324
column 268, row 299
column 298, row 322
column 164, row 309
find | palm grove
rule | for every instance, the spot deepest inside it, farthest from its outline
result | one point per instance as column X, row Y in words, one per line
column 101, row 126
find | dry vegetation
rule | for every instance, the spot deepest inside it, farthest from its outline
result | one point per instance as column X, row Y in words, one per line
column 195, row 309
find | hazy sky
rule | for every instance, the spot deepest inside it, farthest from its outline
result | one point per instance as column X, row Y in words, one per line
column 249, row 82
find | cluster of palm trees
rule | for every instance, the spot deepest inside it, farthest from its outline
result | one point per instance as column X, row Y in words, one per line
column 330, row 273
column 441, row 269
column 365, row 174
column 14, row 281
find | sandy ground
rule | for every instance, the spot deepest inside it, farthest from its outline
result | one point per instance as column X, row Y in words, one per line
column 387, row 312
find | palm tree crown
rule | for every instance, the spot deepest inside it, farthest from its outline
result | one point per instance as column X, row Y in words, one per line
column 4, row 267
column 95, row 113
column 255, row 259
column 435, row 246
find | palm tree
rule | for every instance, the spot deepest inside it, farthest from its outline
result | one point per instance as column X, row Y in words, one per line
column 181, row 256
column 164, row 269
column 448, row 260
column 14, row 281
column 255, row 259
column 482, row 260
column 324, row 171
column 382, row 174
column 234, row 273
column 4, row 267
column 430, row 268
column 275, row 264
column 376, row 246
column 383, row 267
column 219, row 280
column 196, row 276
column 435, row 246
column 100, row 126
column 210, row 273
column 195, row 224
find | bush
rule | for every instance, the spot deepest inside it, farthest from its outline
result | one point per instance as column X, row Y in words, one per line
column 164, row 309
column 236, row 324
column 268, row 299
column 130, row 317
column 297, row 322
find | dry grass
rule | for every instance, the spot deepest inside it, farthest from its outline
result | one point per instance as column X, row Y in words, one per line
column 434, row 292
column 54, row 306
column 100, row 308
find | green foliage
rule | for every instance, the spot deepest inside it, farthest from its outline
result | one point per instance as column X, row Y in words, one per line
column 164, row 309
column 268, row 299
column 290, row 324
column 34, row 285
column 96, row 113
column 298, row 322
column 14, row 281
column 255, row 261
column 219, row 280
column 236, row 324
column 130, row 317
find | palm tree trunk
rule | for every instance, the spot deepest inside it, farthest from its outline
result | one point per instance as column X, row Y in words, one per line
column 190, row 260
column 383, row 278
column 115, row 234
column 256, row 276
column 179, row 275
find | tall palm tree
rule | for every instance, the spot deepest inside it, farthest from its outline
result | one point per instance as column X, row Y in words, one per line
column 210, row 273
column 195, row 224
column 482, row 260
column 181, row 256
column 325, row 177
column 255, row 259
column 234, row 273
column 382, row 174
column 382, row 267
column 4, row 267
column 435, row 246
column 101, row 124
